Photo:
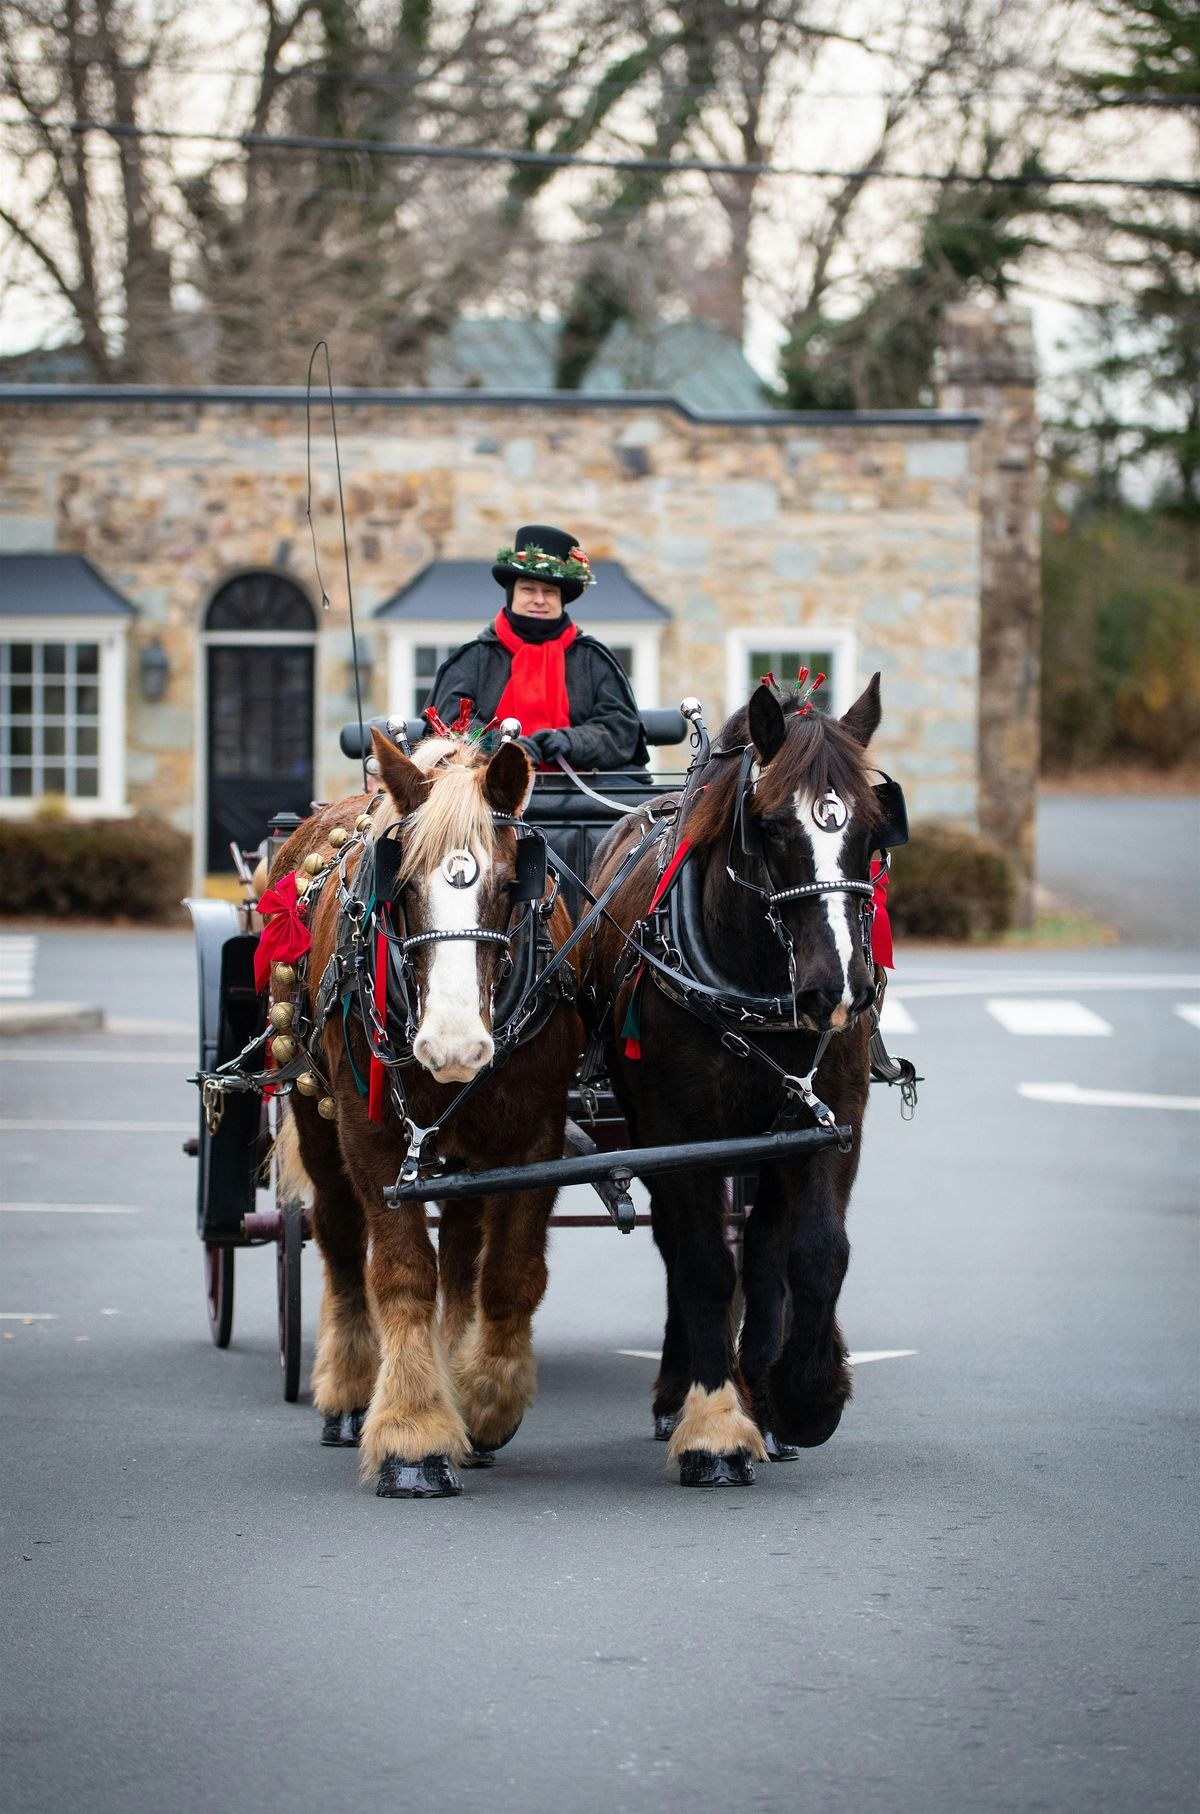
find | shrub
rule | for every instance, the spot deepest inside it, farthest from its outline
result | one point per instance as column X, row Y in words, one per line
column 949, row 884
column 93, row 868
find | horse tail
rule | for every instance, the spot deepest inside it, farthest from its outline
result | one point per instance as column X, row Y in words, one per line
column 294, row 1182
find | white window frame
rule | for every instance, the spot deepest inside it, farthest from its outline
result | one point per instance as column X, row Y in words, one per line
column 112, row 635
column 404, row 636
column 841, row 641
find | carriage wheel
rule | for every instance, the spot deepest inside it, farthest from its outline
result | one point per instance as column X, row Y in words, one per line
column 218, row 1291
column 287, row 1273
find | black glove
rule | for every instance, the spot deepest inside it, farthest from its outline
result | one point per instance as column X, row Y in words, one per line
column 553, row 743
column 529, row 745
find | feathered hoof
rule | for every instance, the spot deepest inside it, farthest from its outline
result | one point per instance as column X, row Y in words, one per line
column 342, row 1429
column 779, row 1451
column 698, row 1468
column 483, row 1454
column 665, row 1425
column 810, row 1432
column 432, row 1478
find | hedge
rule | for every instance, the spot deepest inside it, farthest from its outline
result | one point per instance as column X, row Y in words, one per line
column 949, row 884
column 53, row 866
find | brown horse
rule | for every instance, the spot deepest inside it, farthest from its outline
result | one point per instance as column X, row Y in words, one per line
column 781, row 823
column 440, row 1391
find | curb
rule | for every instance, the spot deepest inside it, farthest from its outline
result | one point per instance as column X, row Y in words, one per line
column 19, row 1018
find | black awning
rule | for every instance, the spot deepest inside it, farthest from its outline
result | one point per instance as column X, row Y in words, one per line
column 57, row 585
column 464, row 592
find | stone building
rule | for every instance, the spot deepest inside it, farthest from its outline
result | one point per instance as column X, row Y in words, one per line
column 727, row 544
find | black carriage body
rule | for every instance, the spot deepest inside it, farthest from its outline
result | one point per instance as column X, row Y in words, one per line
column 231, row 1010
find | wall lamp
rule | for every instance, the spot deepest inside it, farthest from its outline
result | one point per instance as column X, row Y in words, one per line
column 154, row 670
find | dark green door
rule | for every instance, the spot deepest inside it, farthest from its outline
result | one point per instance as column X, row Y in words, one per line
column 260, row 736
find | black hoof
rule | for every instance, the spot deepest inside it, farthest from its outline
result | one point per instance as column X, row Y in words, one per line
column 432, row 1478
column 480, row 1458
column 342, row 1429
column 698, row 1468
column 779, row 1451
column 665, row 1425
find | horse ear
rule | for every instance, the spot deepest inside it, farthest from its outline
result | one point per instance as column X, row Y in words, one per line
column 508, row 779
column 862, row 720
column 768, row 726
column 405, row 782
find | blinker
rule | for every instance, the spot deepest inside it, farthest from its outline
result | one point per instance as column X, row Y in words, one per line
column 529, row 867
column 388, row 854
column 893, row 818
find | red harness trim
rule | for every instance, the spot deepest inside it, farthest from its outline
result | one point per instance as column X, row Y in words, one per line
column 285, row 937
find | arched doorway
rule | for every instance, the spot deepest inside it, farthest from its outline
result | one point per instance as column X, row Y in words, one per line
column 260, row 637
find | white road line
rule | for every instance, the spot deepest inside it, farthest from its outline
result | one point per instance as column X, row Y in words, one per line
column 1048, row 1019
column 1084, row 983
column 856, row 1360
column 1075, row 1094
column 68, row 1209
column 17, row 959
column 1190, row 1012
column 28, row 1316
column 895, row 1019
column 98, row 1127
column 89, row 1055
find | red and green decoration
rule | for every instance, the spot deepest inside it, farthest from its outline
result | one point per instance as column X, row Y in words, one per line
column 539, row 565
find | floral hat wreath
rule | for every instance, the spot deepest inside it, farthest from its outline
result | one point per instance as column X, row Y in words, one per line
column 541, row 552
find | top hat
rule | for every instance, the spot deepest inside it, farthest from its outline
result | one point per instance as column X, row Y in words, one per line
column 540, row 552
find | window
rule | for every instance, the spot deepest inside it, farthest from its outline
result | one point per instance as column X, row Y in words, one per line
column 427, row 659
column 785, row 664
column 822, row 649
column 50, row 720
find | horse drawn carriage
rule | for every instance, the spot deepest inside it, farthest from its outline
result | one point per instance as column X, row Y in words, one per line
column 606, row 895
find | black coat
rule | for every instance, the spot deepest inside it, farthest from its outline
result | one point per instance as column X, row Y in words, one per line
column 605, row 731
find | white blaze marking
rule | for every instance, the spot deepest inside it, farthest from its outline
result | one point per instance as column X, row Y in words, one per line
column 452, row 1019
column 1049, row 1019
column 827, row 867
column 1075, row 1095
column 1190, row 1012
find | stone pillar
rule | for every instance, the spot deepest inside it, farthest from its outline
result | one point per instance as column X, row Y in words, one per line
column 988, row 366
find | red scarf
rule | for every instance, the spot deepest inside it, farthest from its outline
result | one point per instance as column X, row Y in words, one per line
column 537, row 686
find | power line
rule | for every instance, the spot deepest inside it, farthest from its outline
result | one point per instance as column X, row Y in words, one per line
column 557, row 160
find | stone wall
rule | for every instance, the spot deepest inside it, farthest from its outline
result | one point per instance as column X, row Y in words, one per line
column 866, row 524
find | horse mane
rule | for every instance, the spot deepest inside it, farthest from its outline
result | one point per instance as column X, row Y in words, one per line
column 453, row 815
column 818, row 753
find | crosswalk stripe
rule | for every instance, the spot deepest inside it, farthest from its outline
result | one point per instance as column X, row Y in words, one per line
column 1075, row 1095
column 17, row 958
column 1190, row 1012
column 67, row 1209
column 1047, row 1019
column 895, row 1019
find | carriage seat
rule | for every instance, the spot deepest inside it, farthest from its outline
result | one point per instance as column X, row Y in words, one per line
column 573, row 824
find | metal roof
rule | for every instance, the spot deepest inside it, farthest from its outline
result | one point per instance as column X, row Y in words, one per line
column 461, row 592
column 57, row 585
column 692, row 360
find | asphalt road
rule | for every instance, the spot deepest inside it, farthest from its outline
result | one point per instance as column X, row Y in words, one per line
column 1131, row 860
column 980, row 1594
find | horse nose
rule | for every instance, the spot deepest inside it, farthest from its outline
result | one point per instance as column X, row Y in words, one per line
column 863, row 998
column 450, row 1060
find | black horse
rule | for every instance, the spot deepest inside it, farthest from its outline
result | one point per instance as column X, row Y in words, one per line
column 772, row 900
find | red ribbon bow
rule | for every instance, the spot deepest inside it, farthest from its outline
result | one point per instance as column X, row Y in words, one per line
column 285, row 937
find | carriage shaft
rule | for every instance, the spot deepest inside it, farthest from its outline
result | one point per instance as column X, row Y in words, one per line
column 642, row 1162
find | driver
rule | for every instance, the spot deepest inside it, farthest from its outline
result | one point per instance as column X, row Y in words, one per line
column 533, row 663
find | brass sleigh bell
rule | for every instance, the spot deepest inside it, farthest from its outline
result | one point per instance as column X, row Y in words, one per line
column 338, row 836
column 283, row 1048
column 283, row 975
column 314, row 863
column 282, row 1014
column 309, row 1084
column 363, row 822
column 327, row 1107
